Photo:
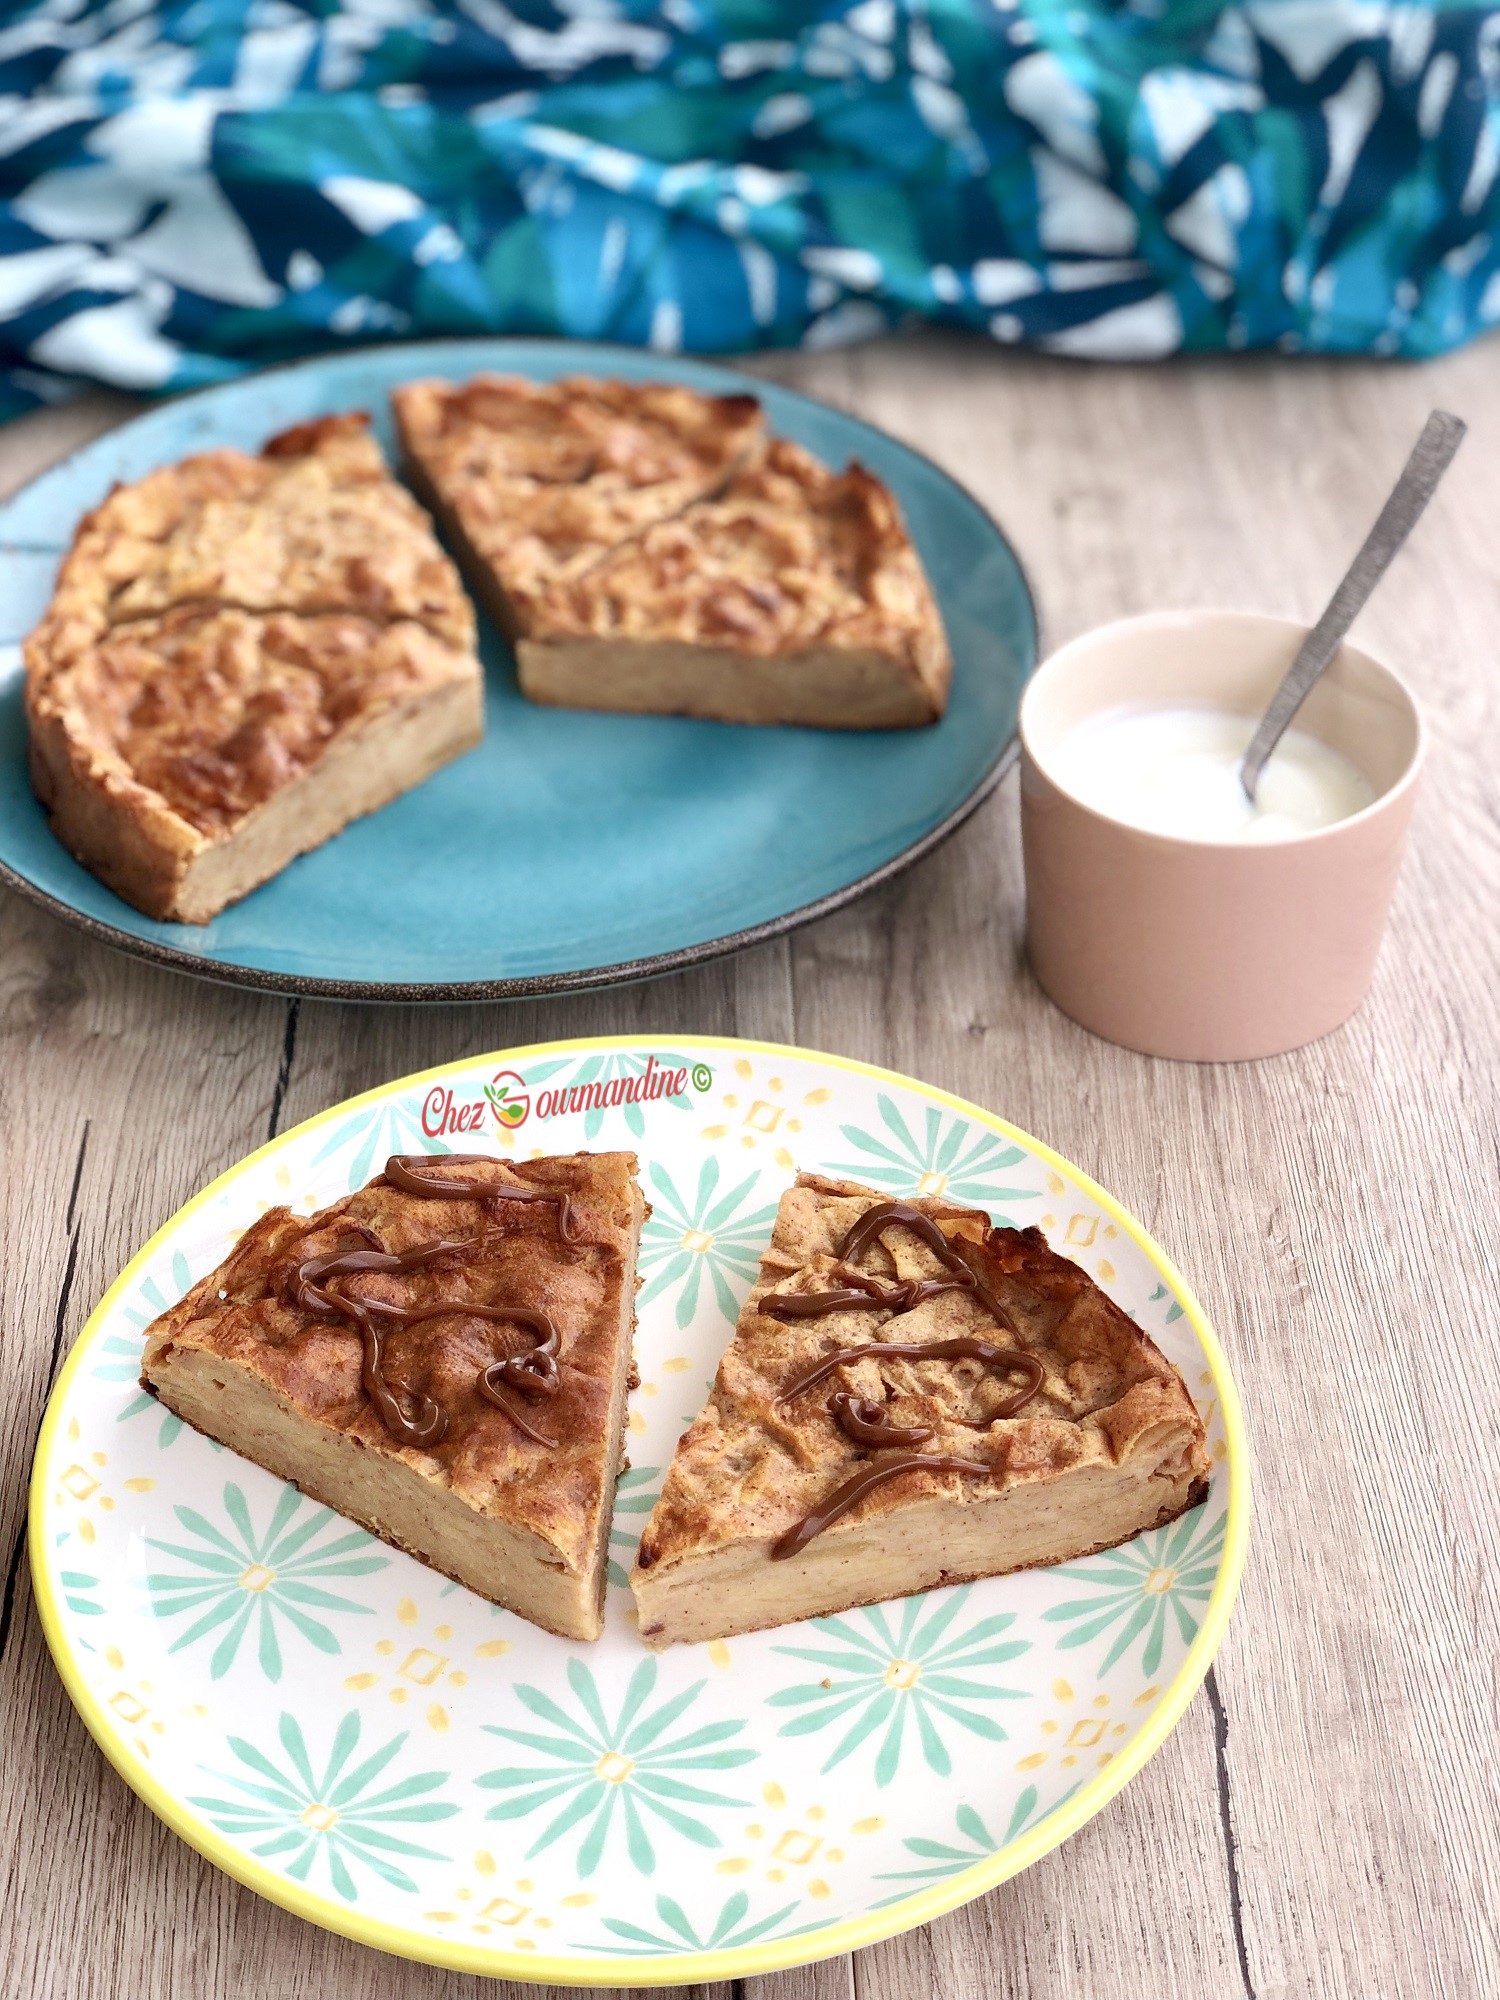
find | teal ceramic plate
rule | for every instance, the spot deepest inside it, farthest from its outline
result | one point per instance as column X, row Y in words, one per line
column 390, row 1756
column 569, row 850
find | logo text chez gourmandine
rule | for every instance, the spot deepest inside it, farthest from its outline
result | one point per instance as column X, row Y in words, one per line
column 506, row 1096
column 650, row 1084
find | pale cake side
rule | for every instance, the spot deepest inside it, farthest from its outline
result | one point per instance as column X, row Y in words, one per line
column 488, row 1475
column 242, row 655
column 1076, row 1433
column 794, row 596
column 533, row 482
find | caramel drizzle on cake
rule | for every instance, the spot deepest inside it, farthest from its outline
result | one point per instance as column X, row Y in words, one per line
column 404, row 1171
column 866, row 1422
column 533, row 1374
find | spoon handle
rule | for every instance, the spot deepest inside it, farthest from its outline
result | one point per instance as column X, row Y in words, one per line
column 1431, row 456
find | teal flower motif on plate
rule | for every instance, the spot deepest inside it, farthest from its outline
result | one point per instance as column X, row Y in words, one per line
column 602, row 1773
column 78, row 1593
column 234, row 1578
column 881, row 1677
column 688, row 1237
column 634, row 1496
column 679, row 1933
column 1174, row 1310
column 972, row 1842
column 344, row 1814
column 1172, row 1569
column 606, row 1069
column 122, row 1357
column 393, row 1126
column 952, row 1160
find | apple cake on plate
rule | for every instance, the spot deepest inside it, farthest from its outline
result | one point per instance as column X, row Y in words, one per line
column 443, row 1356
column 647, row 548
column 244, row 653
column 912, row 1398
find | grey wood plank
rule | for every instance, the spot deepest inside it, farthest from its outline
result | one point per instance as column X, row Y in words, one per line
column 122, row 1091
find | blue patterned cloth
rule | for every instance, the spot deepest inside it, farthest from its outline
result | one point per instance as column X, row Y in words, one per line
column 190, row 190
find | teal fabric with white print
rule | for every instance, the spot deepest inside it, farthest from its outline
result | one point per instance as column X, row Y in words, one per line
column 187, row 191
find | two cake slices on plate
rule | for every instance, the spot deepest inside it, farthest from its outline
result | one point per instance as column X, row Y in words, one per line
column 245, row 652
column 912, row 1397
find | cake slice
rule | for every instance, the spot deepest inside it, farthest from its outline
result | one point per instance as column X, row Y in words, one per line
column 795, row 596
column 646, row 548
column 244, row 653
column 443, row 1356
column 912, row 1398
column 533, row 481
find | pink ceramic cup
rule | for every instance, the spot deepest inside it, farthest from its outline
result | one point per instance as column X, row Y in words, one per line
column 1211, row 951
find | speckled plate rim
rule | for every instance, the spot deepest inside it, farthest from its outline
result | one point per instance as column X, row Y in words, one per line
column 587, row 979
column 744, row 1961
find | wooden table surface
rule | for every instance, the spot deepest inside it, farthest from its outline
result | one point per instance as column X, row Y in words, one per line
column 1323, row 1822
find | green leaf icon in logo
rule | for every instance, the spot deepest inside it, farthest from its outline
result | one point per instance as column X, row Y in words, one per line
column 510, row 1111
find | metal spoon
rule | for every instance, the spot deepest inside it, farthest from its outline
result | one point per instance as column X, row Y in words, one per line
column 1432, row 455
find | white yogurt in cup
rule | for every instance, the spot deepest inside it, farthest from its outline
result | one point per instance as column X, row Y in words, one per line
column 1176, row 770
column 1162, row 911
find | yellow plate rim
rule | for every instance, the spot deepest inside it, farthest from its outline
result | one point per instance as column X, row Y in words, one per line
column 742, row 1961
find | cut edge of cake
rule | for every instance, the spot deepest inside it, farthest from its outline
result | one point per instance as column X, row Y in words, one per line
column 130, row 838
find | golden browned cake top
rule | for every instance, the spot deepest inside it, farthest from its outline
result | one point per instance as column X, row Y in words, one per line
column 542, row 477
column 213, row 712
column 789, row 557
column 218, row 623
column 752, row 1466
column 510, row 1254
column 313, row 523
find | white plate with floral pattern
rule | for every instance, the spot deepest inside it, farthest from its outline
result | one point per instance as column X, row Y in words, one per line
column 379, row 1750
